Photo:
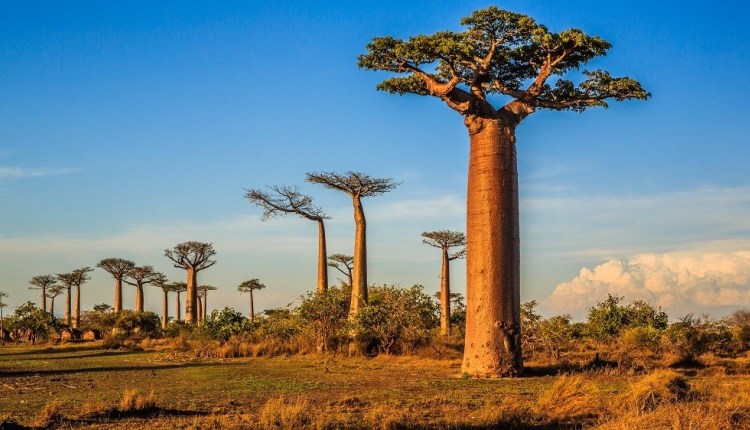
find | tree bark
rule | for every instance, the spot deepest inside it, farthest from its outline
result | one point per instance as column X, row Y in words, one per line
column 118, row 295
column 359, row 281
column 52, row 306
column 67, row 306
column 165, row 310
column 179, row 307
column 200, row 309
column 252, row 308
column 44, row 299
column 191, row 300
column 139, row 299
column 77, row 314
column 493, row 333
column 205, row 306
column 445, row 295
column 322, row 259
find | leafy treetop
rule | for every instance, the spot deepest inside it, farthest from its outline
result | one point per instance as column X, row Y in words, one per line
column 355, row 184
column 192, row 255
column 445, row 239
column 251, row 285
column 285, row 199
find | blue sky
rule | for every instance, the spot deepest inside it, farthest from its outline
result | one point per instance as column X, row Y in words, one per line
column 125, row 129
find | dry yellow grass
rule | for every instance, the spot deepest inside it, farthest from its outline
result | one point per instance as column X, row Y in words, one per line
column 50, row 413
column 280, row 413
column 133, row 402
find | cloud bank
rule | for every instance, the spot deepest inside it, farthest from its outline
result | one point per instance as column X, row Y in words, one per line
column 679, row 282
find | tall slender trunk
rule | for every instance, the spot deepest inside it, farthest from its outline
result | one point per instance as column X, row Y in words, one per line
column 322, row 258
column 252, row 308
column 179, row 307
column 200, row 309
column 52, row 306
column 191, row 299
column 139, row 298
column 118, row 295
column 359, row 281
column 493, row 331
column 205, row 306
column 67, row 306
column 165, row 310
column 77, row 314
column 445, row 295
column 44, row 299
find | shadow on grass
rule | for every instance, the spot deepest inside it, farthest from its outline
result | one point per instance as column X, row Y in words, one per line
column 103, row 417
column 101, row 353
column 153, row 368
column 48, row 350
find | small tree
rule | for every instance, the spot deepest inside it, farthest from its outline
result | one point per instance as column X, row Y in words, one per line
column 75, row 279
column 445, row 240
column 203, row 293
column 52, row 293
column 289, row 200
column 42, row 283
column 356, row 185
column 327, row 315
column 3, row 295
column 118, row 268
column 249, row 287
column 193, row 257
column 161, row 283
column 341, row 262
column 143, row 275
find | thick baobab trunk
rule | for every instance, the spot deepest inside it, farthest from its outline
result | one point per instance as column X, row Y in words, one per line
column 493, row 332
column 67, row 306
column 52, row 306
column 445, row 295
column 77, row 314
column 165, row 310
column 359, row 281
column 191, row 297
column 118, row 295
column 322, row 258
column 139, row 298
column 179, row 308
column 252, row 308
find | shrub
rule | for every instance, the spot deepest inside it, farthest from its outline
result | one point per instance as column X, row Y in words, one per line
column 226, row 323
column 30, row 323
column 326, row 314
column 137, row 323
column 607, row 319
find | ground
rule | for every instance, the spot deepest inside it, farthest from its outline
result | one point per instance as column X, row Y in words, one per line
column 79, row 385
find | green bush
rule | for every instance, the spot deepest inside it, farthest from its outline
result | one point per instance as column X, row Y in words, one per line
column 142, row 324
column 31, row 324
column 226, row 323
column 326, row 316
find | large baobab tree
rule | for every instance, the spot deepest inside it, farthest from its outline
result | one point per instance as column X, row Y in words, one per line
column 289, row 200
column 203, row 293
column 75, row 279
column 118, row 268
column 500, row 54
column 193, row 257
column 249, row 287
column 343, row 263
column 445, row 239
column 42, row 282
column 356, row 185
column 161, row 283
column 178, row 288
column 139, row 276
column 52, row 293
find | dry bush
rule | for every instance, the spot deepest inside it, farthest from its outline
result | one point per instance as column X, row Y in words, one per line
column 653, row 390
column 570, row 398
column 279, row 413
column 133, row 402
column 687, row 416
column 93, row 408
column 507, row 413
column 50, row 413
column 385, row 417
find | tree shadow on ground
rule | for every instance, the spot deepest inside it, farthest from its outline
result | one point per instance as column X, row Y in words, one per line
column 91, row 355
column 48, row 350
column 43, row 372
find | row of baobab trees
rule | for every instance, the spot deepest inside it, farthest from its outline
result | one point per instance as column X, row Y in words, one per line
column 191, row 256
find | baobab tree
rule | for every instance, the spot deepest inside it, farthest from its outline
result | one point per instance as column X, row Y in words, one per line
column 193, row 257
column 203, row 293
column 445, row 240
column 42, row 282
column 3, row 295
column 509, row 54
column 52, row 293
column 118, row 268
column 289, row 200
column 178, row 288
column 249, row 287
column 356, row 185
column 75, row 279
column 341, row 262
column 161, row 283
column 140, row 276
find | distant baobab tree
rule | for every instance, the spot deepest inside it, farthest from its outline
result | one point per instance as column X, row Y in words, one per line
column 445, row 239
column 193, row 257
column 3, row 295
column 178, row 288
column 118, row 268
column 249, row 287
column 75, row 279
column 161, row 283
column 52, row 293
column 289, row 200
column 42, row 283
column 341, row 262
column 141, row 275
column 356, row 185
column 509, row 54
column 203, row 292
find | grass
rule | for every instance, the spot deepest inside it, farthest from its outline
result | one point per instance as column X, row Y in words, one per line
column 84, row 386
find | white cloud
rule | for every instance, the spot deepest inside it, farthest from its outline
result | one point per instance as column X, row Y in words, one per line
column 18, row 172
column 679, row 282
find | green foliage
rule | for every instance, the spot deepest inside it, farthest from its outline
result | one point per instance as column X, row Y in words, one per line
column 326, row 314
column 226, row 323
column 100, row 318
column 30, row 323
column 397, row 319
column 279, row 324
column 608, row 318
column 132, row 323
column 544, row 336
